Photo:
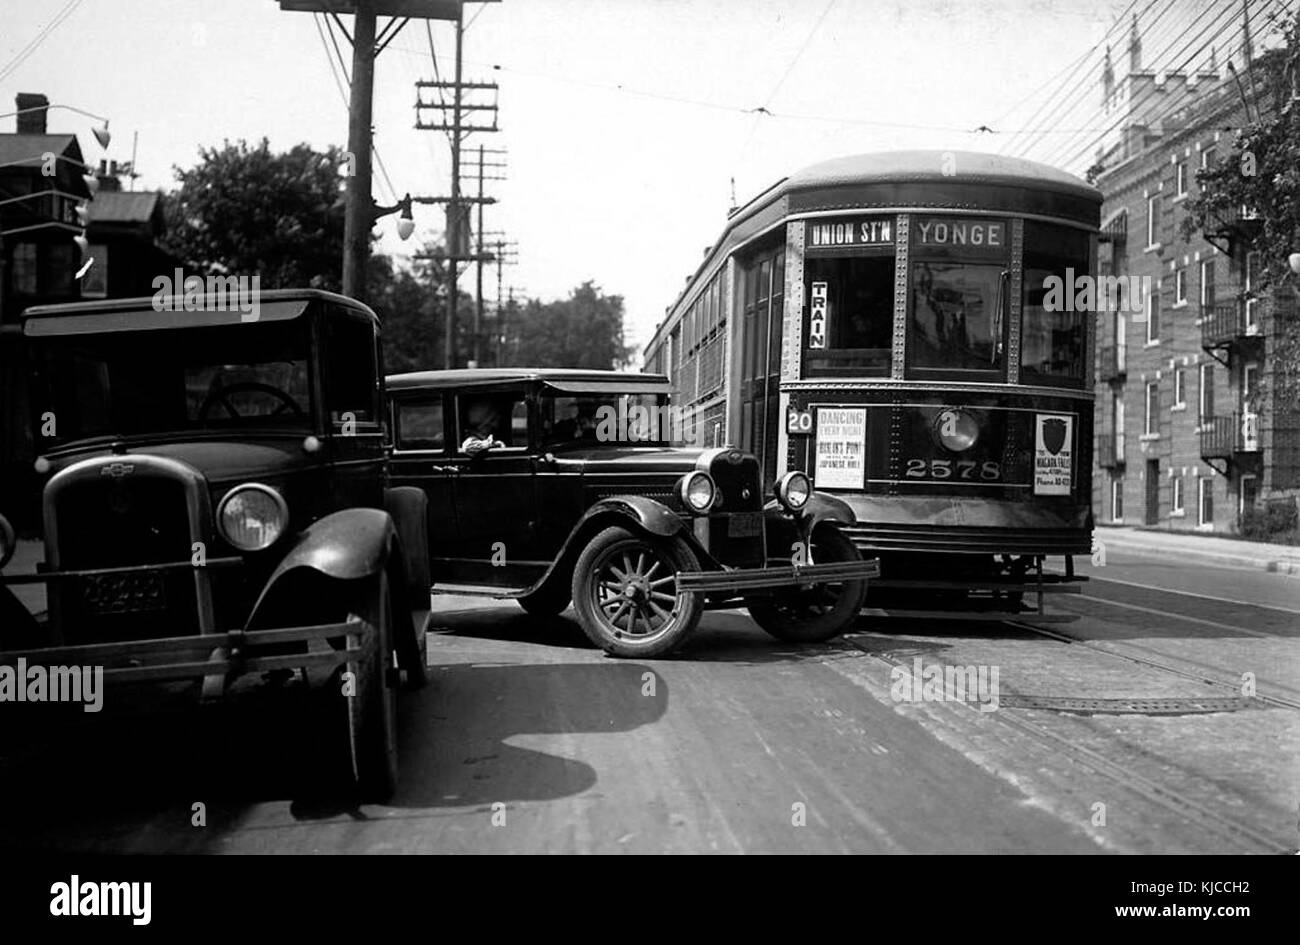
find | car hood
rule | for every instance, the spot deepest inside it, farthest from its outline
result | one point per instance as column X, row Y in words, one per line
column 219, row 461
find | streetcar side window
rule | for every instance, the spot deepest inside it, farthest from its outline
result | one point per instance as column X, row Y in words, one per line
column 850, row 301
column 1052, row 342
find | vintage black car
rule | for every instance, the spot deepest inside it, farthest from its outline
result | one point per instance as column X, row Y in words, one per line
column 217, row 517
column 549, row 485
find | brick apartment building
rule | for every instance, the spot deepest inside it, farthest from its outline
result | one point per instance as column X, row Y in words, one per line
column 1189, row 433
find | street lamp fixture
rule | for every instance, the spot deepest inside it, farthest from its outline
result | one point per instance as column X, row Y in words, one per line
column 1294, row 262
column 101, row 133
column 405, row 222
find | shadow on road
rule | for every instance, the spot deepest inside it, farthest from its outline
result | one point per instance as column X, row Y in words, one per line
column 120, row 785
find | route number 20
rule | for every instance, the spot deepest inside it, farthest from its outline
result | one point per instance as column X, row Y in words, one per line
column 953, row 469
column 799, row 421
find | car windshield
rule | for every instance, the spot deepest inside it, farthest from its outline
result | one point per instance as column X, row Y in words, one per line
column 588, row 419
column 229, row 377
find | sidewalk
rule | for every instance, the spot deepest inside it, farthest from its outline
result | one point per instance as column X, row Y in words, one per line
column 1206, row 549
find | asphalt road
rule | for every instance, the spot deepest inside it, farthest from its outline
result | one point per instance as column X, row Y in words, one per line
column 529, row 740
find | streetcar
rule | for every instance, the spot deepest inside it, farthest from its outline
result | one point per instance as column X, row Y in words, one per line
column 885, row 323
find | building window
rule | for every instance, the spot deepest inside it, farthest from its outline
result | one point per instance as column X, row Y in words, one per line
column 1153, row 317
column 24, row 276
column 94, row 284
column 1249, row 492
column 1117, row 500
column 1205, row 413
column 1178, row 504
column 1180, row 388
column 1209, row 157
column 1207, row 283
column 1153, row 212
column 1180, row 176
column 1180, row 287
column 1151, row 425
column 1252, row 304
column 1205, row 502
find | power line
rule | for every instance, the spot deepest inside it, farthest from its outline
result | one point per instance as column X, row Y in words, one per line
column 23, row 54
column 1079, row 140
column 1079, row 83
column 347, row 80
column 763, row 109
column 1224, row 20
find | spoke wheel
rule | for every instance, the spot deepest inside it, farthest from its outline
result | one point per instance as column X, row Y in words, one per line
column 625, row 592
column 822, row 611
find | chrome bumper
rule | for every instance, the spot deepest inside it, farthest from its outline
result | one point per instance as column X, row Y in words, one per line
column 785, row 576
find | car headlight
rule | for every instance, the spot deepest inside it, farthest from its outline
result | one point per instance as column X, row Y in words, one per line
column 793, row 491
column 252, row 516
column 698, row 492
column 8, row 541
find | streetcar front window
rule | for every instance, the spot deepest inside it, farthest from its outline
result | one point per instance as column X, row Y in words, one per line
column 1052, row 342
column 958, row 311
column 851, row 311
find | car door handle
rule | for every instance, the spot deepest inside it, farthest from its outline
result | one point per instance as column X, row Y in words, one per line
column 443, row 469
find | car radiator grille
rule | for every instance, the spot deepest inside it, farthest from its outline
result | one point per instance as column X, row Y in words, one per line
column 120, row 522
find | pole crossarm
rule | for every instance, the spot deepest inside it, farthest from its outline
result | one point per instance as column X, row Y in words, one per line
column 458, row 199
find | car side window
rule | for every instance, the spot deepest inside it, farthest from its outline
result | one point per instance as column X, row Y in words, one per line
column 351, row 386
column 420, row 425
column 493, row 420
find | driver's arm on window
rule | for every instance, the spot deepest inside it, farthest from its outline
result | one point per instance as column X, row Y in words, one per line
column 478, row 443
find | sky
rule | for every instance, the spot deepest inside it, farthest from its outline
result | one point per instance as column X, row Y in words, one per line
column 627, row 123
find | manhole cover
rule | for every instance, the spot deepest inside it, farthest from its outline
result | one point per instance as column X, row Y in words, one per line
column 1131, row 706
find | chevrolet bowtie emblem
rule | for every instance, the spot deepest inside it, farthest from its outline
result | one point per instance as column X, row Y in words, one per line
column 117, row 470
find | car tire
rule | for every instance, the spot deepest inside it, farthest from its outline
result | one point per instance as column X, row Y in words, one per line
column 648, row 566
column 359, row 721
column 822, row 612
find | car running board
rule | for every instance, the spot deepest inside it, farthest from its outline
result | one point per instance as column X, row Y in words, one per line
column 480, row 590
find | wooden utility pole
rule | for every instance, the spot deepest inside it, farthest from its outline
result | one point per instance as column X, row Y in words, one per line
column 453, row 216
column 458, row 249
column 360, row 211
column 358, row 218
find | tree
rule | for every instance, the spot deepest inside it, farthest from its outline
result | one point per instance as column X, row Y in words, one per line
column 1262, row 173
column 247, row 211
column 583, row 331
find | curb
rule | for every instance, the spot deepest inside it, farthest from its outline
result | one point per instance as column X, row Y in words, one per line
column 1288, row 567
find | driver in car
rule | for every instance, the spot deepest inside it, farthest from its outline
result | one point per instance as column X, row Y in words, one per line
column 481, row 420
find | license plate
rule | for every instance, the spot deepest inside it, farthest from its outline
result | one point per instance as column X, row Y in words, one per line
column 133, row 592
column 745, row 525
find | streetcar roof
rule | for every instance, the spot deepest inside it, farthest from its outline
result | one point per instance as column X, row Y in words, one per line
column 574, row 380
column 939, row 167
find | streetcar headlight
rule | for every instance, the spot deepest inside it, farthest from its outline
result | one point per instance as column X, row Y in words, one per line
column 698, row 492
column 793, row 491
column 8, row 541
column 956, row 430
column 252, row 516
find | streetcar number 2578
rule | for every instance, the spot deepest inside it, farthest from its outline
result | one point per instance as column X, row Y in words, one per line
column 989, row 471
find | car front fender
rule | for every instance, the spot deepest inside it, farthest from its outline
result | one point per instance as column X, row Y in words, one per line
column 783, row 529
column 347, row 545
column 652, row 516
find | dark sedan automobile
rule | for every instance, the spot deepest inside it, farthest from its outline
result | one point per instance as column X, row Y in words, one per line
column 550, row 486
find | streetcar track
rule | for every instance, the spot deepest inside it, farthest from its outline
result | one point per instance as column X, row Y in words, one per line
column 1243, row 836
column 1185, row 617
column 1116, row 649
column 1167, row 590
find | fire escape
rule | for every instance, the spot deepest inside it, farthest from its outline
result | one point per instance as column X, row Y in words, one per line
column 1231, row 330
